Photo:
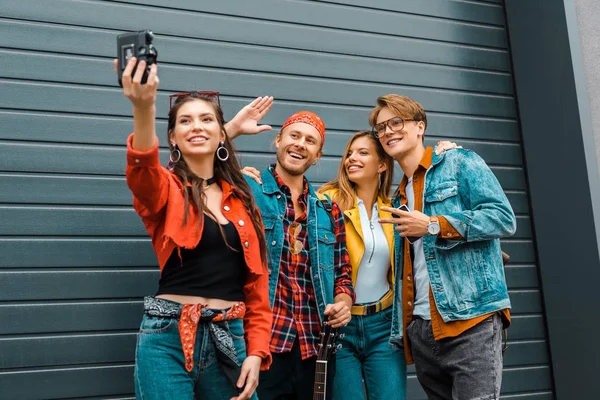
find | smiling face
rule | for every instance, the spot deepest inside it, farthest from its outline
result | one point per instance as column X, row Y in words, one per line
column 401, row 143
column 197, row 131
column 298, row 146
column 361, row 162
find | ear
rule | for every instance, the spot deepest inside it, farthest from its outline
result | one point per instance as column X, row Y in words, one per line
column 170, row 136
column 421, row 127
column 319, row 154
column 277, row 139
column 382, row 168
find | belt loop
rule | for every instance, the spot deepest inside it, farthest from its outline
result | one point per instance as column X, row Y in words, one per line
column 505, row 345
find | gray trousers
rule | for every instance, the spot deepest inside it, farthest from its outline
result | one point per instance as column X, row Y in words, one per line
column 466, row 367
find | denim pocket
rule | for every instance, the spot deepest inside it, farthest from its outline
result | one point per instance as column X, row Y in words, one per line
column 443, row 198
column 326, row 242
column 387, row 313
column 152, row 324
column 236, row 328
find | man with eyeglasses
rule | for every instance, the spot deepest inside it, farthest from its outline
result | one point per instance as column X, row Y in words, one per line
column 309, row 265
column 451, row 296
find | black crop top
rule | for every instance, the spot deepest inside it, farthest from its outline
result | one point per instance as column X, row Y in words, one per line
column 211, row 270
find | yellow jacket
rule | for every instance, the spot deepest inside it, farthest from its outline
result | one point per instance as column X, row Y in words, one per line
column 354, row 236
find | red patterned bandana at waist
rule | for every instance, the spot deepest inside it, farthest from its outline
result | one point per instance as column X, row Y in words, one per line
column 190, row 315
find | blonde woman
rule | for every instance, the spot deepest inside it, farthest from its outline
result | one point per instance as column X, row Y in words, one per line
column 361, row 189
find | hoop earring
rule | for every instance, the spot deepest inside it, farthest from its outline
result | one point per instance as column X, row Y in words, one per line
column 222, row 148
column 177, row 157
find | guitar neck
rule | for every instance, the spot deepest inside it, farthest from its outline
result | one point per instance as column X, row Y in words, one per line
column 320, row 389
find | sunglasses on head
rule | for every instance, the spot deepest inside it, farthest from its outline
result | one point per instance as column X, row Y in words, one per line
column 174, row 97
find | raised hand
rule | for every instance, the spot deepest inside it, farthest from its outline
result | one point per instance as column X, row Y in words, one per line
column 141, row 96
column 246, row 120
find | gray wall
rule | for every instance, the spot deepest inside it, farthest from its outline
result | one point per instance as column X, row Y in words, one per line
column 75, row 260
column 561, row 169
column 588, row 20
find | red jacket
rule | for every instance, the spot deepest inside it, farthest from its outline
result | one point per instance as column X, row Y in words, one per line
column 158, row 199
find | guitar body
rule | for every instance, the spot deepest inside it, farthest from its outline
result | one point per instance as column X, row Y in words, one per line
column 327, row 348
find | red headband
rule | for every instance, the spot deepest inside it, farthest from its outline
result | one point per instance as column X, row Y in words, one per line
column 306, row 117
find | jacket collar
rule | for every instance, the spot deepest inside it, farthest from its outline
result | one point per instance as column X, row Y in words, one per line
column 227, row 188
column 429, row 159
column 354, row 214
column 435, row 159
column 270, row 185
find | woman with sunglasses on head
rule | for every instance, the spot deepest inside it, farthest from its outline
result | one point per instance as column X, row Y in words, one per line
column 205, row 334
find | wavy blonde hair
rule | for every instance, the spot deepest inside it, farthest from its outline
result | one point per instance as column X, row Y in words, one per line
column 346, row 188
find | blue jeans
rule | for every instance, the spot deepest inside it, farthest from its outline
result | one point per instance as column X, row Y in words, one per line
column 160, row 372
column 366, row 355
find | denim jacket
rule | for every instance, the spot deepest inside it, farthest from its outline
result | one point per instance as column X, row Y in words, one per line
column 321, row 238
column 467, row 275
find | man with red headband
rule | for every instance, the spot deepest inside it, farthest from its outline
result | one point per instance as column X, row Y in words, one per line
column 309, row 266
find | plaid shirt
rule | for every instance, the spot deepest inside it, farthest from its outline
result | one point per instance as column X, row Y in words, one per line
column 295, row 308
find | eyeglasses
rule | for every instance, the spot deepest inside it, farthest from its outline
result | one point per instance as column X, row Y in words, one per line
column 184, row 94
column 395, row 124
column 296, row 245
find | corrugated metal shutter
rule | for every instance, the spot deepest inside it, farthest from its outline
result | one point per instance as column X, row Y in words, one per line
column 74, row 258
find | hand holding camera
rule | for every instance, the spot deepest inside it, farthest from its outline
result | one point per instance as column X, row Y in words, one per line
column 136, row 68
column 136, row 45
column 137, row 71
column 141, row 96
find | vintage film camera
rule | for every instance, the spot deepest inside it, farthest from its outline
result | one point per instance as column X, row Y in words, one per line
column 136, row 44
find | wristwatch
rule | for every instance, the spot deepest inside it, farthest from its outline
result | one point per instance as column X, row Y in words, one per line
column 434, row 226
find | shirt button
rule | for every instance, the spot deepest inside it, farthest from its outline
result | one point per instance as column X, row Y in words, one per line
column 410, row 303
column 246, row 244
column 241, row 222
column 273, row 243
column 448, row 234
column 226, row 208
column 278, row 196
column 137, row 160
column 408, row 278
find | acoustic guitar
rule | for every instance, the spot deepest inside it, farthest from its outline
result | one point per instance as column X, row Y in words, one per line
column 327, row 348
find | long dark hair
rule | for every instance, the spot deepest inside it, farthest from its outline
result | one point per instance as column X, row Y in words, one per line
column 229, row 171
column 346, row 188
